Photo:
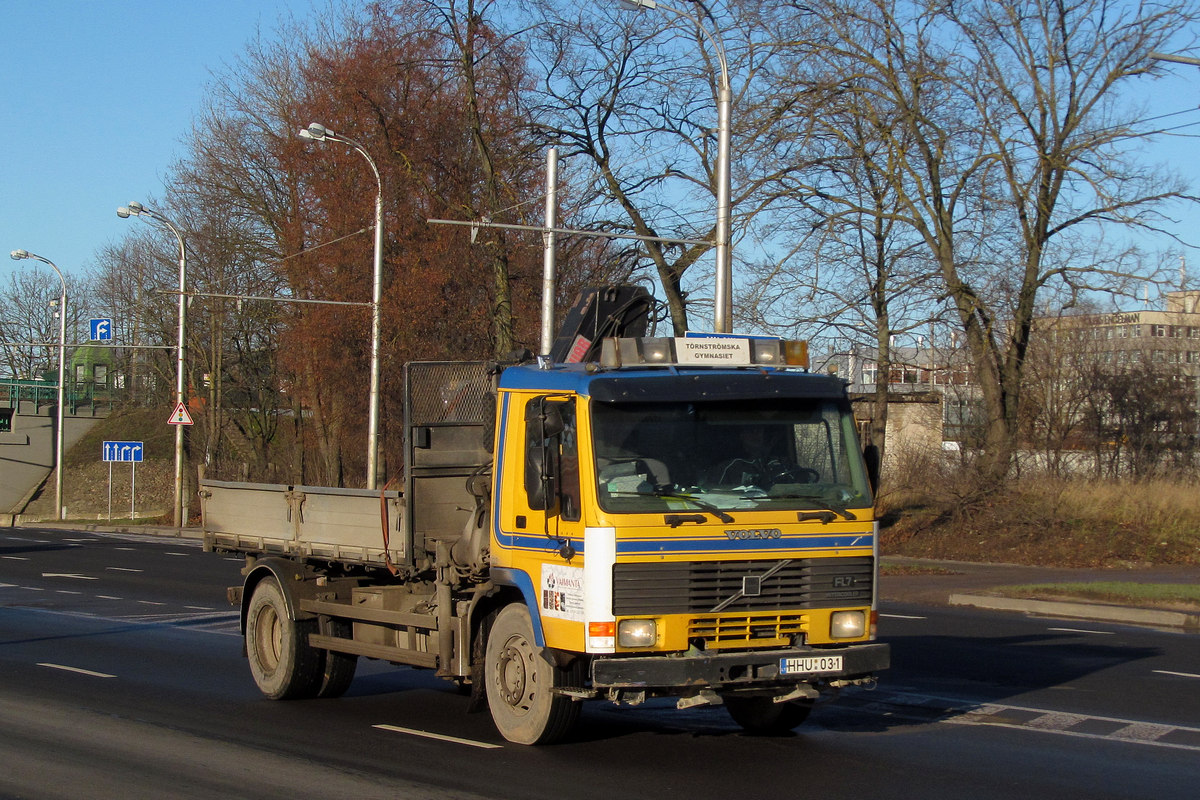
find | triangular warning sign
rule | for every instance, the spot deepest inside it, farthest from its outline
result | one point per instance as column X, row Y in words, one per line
column 180, row 415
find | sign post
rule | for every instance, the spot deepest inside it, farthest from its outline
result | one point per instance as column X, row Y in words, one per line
column 122, row 451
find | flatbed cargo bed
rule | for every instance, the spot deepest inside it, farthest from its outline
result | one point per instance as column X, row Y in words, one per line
column 310, row 522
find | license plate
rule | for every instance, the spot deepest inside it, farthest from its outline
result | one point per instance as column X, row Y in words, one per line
column 808, row 665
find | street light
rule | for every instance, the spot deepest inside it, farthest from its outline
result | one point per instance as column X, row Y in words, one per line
column 1178, row 59
column 17, row 255
column 319, row 133
column 135, row 209
column 723, row 290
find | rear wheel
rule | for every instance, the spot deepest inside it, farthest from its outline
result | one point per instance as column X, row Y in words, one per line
column 519, row 682
column 762, row 715
column 282, row 662
column 339, row 668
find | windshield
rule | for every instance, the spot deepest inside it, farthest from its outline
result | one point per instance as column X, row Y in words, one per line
column 763, row 454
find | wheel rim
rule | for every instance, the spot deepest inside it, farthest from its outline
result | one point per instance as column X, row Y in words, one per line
column 269, row 638
column 513, row 673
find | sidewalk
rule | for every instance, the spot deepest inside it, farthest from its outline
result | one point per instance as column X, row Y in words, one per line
column 959, row 583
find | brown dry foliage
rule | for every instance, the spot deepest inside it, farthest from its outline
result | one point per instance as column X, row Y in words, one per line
column 935, row 509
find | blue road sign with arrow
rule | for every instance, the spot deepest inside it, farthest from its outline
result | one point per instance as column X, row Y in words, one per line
column 100, row 329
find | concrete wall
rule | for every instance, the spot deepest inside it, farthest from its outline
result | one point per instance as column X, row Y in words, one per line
column 27, row 454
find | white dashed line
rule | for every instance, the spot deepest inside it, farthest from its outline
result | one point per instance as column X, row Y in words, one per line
column 438, row 736
column 78, row 670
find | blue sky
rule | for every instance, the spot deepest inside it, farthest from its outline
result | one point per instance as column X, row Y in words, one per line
column 96, row 97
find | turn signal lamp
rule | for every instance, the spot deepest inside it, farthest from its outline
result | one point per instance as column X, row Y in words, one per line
column 704, row 351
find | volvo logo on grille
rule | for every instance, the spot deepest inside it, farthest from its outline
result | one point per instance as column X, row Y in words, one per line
column 754, row 533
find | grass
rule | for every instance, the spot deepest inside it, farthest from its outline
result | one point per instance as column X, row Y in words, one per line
column 1151, row 594
column 1044, row 521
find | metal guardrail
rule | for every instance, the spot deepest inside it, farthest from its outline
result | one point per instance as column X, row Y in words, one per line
column 42, row 393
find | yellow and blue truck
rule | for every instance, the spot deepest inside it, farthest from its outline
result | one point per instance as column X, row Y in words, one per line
column 688, row 518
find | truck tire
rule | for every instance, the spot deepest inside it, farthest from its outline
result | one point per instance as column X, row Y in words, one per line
column 283, row 664
column 339, row 668
column 519, row 682
column 762, row 715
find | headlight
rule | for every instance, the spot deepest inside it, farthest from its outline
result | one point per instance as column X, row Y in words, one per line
column 847, row 624
column 636, row 633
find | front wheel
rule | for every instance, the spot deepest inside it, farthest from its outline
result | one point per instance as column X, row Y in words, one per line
column 762, row 715
column 520, row 683
column 284, row 665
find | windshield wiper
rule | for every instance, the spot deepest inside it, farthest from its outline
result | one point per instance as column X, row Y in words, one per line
column 716, row 512
column 826, row 515
column 675, row 520
column 823, row 510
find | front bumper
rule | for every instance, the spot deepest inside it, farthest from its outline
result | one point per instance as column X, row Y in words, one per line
column 734, row 669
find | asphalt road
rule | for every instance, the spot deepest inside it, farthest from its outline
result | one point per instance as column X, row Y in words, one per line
column 121, row 675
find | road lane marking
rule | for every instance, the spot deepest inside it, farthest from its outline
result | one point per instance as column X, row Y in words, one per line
column 439, row 737
column 176, row 554
column 70, row 575
column 1082, row 630
column 901, row 616
column 123, row 569
column 108, row 597
column 15, row 558
column 1176, row 674
column 78, row 670
column 151, row 603
column 921, row 708
column 66, row 591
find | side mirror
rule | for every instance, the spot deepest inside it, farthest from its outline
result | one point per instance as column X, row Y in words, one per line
column 871, row 459
column 543, row 422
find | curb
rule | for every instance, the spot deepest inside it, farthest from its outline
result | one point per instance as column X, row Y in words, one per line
column 1155, row 618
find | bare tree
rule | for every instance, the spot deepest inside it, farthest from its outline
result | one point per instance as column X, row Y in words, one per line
column 1003, row 116
column 635, row 97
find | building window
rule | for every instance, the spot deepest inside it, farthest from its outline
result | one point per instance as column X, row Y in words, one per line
column 1158, row 331
column 1135, row 331
column 1157, row 356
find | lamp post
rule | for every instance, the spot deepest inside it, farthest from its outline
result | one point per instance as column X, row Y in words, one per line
column 135, row 209
column 723, row 288
column 17, row 255
column 319, row 133
column 1178, row 59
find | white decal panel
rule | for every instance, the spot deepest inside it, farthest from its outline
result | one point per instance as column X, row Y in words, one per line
column 562, row 592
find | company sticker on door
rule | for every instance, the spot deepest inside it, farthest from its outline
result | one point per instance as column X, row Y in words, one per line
column 562, row 592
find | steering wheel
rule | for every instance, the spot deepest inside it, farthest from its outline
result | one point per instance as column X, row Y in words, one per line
column 792, row 473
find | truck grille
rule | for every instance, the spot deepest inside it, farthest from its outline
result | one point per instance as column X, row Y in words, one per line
column 740, row 630
column 701, row 586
